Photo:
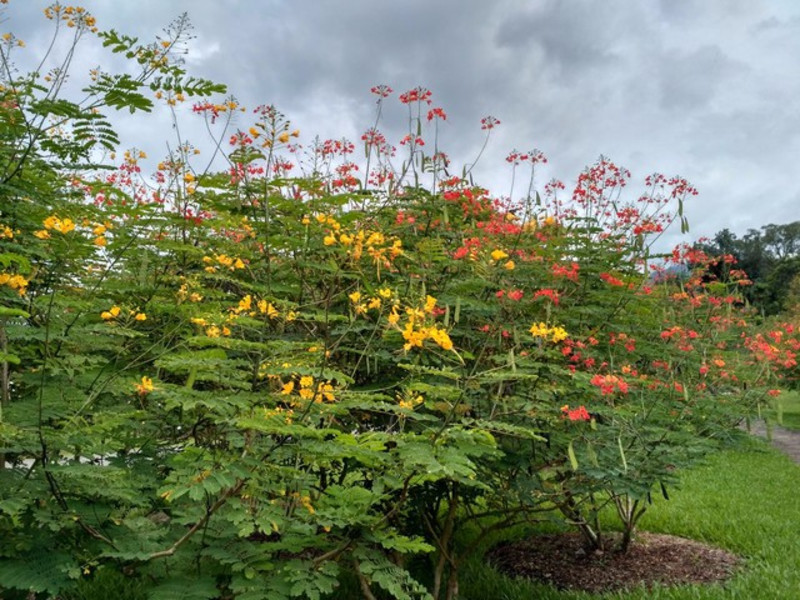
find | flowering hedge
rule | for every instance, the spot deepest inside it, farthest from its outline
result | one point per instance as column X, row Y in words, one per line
column 242, row 383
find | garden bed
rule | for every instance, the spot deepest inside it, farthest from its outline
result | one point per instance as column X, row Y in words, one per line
column 653, row 559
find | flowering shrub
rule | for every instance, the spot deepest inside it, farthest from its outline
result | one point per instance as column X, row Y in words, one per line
column 243, row 382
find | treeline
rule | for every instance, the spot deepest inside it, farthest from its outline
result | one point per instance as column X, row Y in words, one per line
column 770, row 257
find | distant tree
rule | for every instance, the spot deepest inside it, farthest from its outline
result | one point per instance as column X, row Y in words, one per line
column 782, row 241
column 770, row 257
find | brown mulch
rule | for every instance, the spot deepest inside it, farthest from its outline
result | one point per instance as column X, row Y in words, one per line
column 559, row 560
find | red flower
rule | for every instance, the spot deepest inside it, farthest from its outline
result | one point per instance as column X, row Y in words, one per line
column 489, row 122
column 413, row 140
column 609, row 384
column 382, row 91
column 570, row 272
column 576, row 414
column 436, row 113
column 418, row 94
column 548, row 293
column 610, row 279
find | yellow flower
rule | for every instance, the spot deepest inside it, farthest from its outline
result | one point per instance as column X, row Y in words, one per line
column 100, row 241
column 385, row 293
column 355, row 297
column 393, row 317
column 555, row 334
column 56, row 224
column 213, row 331
column 15, row 282
column 140, row 317
column 376, row 239
column 287, row 388
column 510, row 265
column 538, row 330
column 66, row 226
column 324, row 392
column 498, row 255
column 145, row 387
column 296, row 133
column 284, row 137
column 329, row 240
column 111, row 313
column 441, row 337
column 42, row 234
column 430, row 303
column 245, row 303
column 374, row 303
column 188, row 177
column 99, row 229
column 306, row 381
column 306, row 221
column 267, row 308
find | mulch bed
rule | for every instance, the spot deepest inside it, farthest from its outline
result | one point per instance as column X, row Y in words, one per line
column 559, row 560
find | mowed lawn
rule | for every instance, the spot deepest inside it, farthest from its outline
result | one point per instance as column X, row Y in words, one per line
column 785, row 411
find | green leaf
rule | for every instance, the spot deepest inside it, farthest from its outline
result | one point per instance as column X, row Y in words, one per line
column 573, row 461
column 622, row 454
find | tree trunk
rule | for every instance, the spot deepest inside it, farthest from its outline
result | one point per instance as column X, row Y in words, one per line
column 363, row 583
column 452, row 583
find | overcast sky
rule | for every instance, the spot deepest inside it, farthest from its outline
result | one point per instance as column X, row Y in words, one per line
column 706, row 89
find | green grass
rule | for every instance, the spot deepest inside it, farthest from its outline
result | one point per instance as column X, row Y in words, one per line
column 743, row 500
column 785, row 410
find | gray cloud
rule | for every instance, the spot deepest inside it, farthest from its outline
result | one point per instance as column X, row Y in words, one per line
column 703, row 88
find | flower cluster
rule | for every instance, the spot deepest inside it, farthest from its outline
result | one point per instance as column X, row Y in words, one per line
column 609, row 384
column 15, row 281
column 554, row 334
column 54, row 223
column 306, row 388
column 575, row 414
column 229, row 262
